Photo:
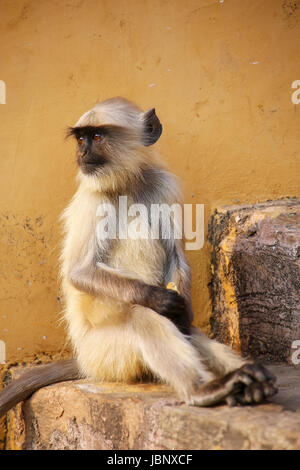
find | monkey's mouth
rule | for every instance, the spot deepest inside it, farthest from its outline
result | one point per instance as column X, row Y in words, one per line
column 90, row 162
column 91, row 166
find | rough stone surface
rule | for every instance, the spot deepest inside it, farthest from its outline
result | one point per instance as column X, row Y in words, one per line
column 255, row 286
column 83, row 415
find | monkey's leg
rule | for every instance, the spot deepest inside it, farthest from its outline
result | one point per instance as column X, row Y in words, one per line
column 167, row 352
column 218, row 357
column 222, row 361
column 173, row 359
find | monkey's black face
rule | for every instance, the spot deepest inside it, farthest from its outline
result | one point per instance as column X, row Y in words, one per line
column 114, row 145
column 92, row 143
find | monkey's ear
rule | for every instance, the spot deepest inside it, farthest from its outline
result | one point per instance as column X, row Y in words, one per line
column 152, row 127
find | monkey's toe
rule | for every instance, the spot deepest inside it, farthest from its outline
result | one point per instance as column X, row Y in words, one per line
column 258, row 372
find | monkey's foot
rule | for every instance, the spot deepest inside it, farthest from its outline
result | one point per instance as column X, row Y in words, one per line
column 260, row 386
column 250, row 384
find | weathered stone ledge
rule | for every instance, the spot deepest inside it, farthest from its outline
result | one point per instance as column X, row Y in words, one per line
column 82, row 415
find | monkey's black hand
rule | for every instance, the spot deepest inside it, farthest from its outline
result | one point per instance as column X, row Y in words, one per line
column 171, row 305
column 254, row 384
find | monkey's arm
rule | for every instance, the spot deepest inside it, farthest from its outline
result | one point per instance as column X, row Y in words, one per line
column 100, row 282
column 21, row 388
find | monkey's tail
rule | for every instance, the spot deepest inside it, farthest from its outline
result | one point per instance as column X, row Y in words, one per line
column 40, row 376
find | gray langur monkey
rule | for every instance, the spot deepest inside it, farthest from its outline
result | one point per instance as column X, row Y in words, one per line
column 123, row 323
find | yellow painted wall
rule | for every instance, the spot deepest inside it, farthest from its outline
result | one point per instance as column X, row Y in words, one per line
column 218, row 73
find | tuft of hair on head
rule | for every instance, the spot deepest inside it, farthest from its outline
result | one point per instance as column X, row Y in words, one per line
column 70, row 132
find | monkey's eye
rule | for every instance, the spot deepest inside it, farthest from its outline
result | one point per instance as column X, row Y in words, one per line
column 97, row 137
column 80, row 140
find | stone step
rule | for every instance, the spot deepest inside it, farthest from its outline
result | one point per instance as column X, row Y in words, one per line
column 83, row 415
